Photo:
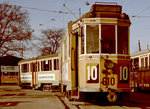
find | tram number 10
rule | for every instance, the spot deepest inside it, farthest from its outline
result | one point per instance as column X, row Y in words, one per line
column 92, row 74
column 124, row 74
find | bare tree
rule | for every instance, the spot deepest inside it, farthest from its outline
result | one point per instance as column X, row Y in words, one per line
column 14, row 29
column 50, row 41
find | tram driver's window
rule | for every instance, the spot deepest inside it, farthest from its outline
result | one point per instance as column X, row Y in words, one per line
column 122, row 40
column 108, row 39
column 92, row 39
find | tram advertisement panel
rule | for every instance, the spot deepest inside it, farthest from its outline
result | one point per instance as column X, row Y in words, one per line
column 92, row 72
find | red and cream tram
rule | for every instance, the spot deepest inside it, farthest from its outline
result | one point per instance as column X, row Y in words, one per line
column 94, row 54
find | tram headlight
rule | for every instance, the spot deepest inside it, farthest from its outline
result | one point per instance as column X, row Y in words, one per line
column 109, row 64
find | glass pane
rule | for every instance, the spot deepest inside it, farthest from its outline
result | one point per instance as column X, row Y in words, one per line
column 92, row 38
column 122, row 40
column 136, row 63
column 82, row 40
column 45, row 65
column 56, row 64
column 50, row 64
column 25, row 68
column 146, row 62
column 108, row 39
column 142, row 62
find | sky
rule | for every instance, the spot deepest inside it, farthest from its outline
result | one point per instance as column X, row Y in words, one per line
column 44, row 14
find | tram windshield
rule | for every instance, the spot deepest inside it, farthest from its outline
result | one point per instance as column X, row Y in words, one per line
column 92, row 38
column 108, row 39
column 122, row 40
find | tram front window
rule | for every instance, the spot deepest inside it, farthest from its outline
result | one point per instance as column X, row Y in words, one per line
column 92, row 39
column 122, row 40
column 108, row 38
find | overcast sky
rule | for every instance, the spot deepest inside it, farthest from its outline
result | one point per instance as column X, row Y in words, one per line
column 48, row 16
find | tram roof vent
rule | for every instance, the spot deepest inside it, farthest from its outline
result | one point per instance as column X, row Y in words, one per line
column 106, row 7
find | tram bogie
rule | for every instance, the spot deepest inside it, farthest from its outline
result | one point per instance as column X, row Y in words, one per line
column 94, row 53
column 39, row 72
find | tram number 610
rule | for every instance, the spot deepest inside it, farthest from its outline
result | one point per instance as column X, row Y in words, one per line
column 124, row 74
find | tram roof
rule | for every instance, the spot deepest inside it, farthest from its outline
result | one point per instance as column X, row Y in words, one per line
column 39, row 57
column 140, row 52
column 103, row 10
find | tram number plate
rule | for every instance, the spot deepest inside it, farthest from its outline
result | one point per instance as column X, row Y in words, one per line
column 108, row 81
column 92, row 71
column 124, row 74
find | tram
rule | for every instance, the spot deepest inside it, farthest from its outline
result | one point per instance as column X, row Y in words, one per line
column 140, row 70
column 39, row 72
column 9, row 70
column 9, row 75
column 94, row 54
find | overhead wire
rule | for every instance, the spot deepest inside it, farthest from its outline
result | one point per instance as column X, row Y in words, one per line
column 52, row 11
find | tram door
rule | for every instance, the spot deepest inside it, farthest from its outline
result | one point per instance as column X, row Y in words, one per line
column 34, row 72
column 74, row 64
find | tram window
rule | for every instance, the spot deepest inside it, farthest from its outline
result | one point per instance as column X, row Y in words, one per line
column 92, row 39
column 108, row 39
column 5, row 73
column 16, row 73
column 65, row 49
column 50, row 64
column 45, row 65
column 142, row 62
column 56, row 64
column 122, row 40
column 82, row 40
column 25, row 68
column 12, row 73
column 38, row 66
column 146, row 62
column 136, row 63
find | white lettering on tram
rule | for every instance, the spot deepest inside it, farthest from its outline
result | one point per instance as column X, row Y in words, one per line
column 26, row 77
column 92, row 72
column 124, row 73
column 46, row 76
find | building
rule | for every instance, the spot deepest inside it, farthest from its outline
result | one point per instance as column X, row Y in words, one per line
column 9, row 71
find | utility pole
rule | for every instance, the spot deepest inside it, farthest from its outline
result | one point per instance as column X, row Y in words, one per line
column 139, row 45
